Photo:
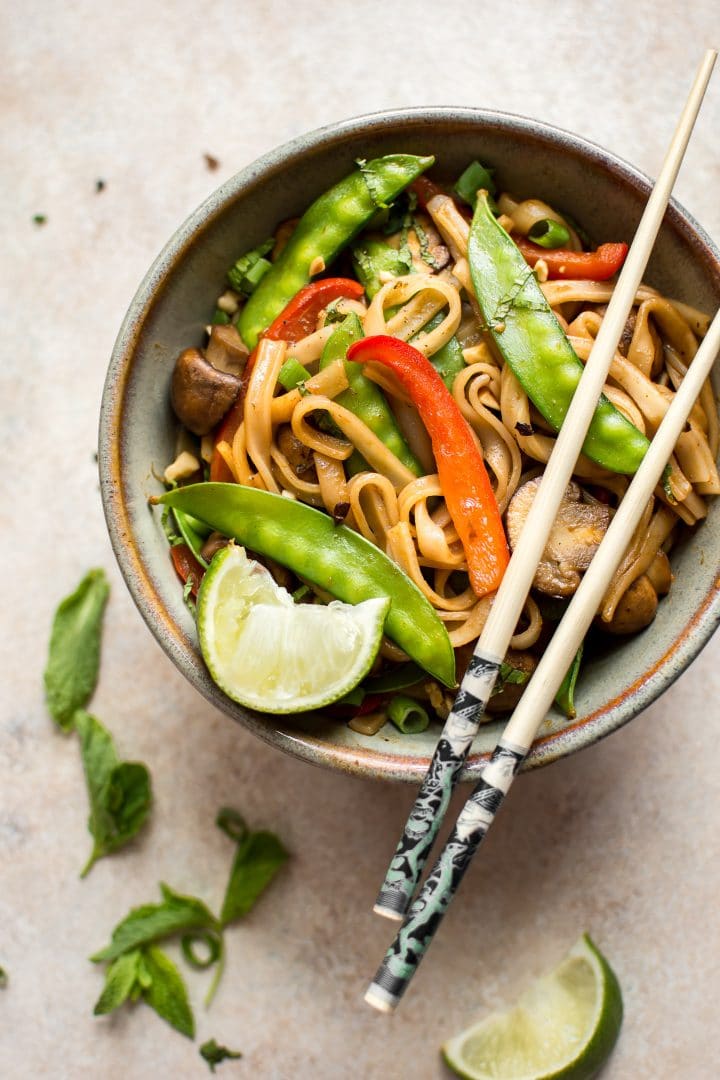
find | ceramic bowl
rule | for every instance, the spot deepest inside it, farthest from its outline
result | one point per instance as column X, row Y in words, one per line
column 138, row 430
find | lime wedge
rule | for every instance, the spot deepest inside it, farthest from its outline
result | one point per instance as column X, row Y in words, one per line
column 271, row 654
column 564, row 1025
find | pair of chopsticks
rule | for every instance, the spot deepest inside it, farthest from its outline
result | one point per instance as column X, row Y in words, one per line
column 425, row 914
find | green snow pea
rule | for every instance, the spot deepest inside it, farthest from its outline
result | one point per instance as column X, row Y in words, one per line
column 533, row 343
column 331, row 556
column 326, row 227
column 364, row 398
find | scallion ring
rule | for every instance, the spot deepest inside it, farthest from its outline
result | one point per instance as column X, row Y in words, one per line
column 232, row 824
column 206, row 939
column 407, row 715
column 549, row 234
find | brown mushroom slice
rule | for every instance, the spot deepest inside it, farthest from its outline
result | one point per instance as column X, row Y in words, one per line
column 214, row 543
column 575, row 536
column 510, row 692
column 226, row 350
column 635, row 610
column 200, row 394
column 300, row 457
column 660, row 573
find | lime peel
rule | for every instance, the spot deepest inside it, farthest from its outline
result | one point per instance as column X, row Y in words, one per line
column 271, row 654
column 563, row 1027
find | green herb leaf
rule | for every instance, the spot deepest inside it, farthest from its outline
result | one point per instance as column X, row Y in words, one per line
column 152, row 922
column 74, row 653
column 167, row 993
column 257, row 860
column 214, row 1054
column 119, row 791
column 121, row 978
column 667, row 484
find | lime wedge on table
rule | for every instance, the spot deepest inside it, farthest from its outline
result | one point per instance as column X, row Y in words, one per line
column 564, row 1025
column 267, row 652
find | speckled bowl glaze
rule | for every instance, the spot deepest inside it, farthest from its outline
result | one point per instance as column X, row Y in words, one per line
column 138, row 430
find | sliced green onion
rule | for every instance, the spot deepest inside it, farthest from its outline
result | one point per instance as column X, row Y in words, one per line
column 220, row 318
column 407, row 715
column 292, row 373
column 475, row 178
column 565, row 697
column 549, row 234
column 248, row 271
column 232, row 824
column 207, row 940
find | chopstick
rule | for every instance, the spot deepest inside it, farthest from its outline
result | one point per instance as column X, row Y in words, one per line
column 479, row 811
column 463, row 722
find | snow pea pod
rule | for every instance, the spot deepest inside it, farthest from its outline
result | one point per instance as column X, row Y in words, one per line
column 364, row 398
column 331, row 556
column 533, row 343
column 326, row 227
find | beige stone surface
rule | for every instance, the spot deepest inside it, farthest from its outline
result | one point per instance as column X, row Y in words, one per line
column 621, row 840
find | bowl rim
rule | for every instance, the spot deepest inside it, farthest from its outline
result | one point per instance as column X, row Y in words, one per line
column 378, row 765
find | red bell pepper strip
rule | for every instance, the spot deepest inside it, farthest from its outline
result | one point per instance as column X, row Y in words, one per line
column 577, row 265
column 468, row 495
column 294, row 322
column 426, row 190
column 186, row 566
column 300, row 316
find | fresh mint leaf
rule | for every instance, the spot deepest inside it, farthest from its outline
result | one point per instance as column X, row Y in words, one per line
column 121, row 978
column 74, row 653
column 167, row 993
column 151, row 922
column 257, row 860
column 214, row 1054
column 119, row 791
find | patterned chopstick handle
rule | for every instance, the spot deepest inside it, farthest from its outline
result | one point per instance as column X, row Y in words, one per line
column 427, row 814
column 416, row 933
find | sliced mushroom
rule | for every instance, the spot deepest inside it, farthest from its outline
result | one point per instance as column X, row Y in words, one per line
column 576, row 534
column 212, row 545
column 226, row 350
column 627, row 334
column 635, row 610
column 510, row 693
column 300, row 456
column 660, row 573
column 200, row 394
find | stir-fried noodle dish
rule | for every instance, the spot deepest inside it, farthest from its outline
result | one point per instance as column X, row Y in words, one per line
column 400, row 358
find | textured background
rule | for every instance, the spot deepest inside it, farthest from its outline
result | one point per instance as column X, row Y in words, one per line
column 621, row 840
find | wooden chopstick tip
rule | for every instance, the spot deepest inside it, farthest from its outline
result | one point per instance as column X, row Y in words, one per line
column 387, row 913
column 375, row 997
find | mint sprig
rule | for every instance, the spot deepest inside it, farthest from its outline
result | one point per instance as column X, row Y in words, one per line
column 138, row 969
